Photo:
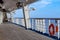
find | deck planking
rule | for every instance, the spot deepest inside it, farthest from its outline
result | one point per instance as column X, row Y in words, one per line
column 10, row 31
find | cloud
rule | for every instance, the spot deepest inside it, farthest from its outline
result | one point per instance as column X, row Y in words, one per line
column 44, row 3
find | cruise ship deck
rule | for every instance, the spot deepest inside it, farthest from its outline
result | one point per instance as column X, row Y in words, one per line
column 26, row 28
column 10, row 31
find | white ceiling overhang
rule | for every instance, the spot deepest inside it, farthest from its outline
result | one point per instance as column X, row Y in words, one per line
column 11, row 4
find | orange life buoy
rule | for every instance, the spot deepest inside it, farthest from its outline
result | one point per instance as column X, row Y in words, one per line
column 51, row 32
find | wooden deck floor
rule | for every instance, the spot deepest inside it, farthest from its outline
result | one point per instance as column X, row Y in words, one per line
column 10, row 31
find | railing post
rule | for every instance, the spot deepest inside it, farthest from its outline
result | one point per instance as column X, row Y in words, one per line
column 58, row 28
column 44, row 27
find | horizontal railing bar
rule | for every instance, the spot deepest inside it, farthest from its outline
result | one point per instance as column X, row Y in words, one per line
column 38, row 18
column 46, row 18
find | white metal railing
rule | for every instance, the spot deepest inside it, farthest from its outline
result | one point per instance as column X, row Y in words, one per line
column 41, row 24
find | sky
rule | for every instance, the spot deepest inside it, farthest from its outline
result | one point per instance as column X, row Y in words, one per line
column 43, row 9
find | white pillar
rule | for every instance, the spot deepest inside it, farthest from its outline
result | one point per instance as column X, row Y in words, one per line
column 26, row 16
column 1, row 17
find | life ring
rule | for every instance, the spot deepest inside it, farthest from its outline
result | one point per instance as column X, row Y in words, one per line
column 51, row 32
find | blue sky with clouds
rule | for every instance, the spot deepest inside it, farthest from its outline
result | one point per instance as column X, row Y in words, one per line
column 43, row 9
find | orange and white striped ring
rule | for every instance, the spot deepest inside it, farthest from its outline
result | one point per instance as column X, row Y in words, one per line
column 51, row 32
